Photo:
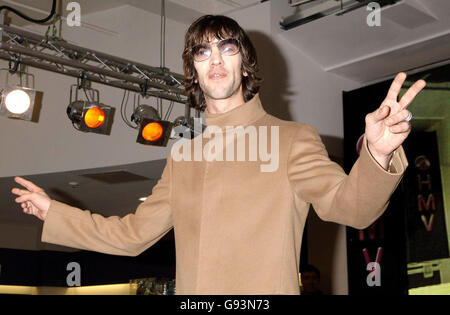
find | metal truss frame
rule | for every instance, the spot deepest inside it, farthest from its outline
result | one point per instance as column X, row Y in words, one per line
column 52, row 54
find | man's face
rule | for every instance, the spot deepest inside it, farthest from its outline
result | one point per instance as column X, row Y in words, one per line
column 220, row 76
column 310, row 281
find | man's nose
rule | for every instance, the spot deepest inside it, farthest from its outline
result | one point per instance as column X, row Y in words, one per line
column 216, row 56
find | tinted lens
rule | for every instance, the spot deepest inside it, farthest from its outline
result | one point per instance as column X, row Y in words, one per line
column 201, row 52
column 228, row 47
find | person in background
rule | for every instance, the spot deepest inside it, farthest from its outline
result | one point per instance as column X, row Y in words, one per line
column 310, row 278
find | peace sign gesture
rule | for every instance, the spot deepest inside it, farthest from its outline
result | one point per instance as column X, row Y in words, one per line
column 33, row 200
column 388, row 126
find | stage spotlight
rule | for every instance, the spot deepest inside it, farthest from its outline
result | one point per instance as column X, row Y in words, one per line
column 90, row 116
column 187, row 128
column 144, row 111
column 153, row 130
column 17, row 102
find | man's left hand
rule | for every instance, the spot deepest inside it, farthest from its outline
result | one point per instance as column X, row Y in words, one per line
column 387, row 128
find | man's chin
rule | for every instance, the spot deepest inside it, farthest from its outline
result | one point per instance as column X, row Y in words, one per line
column 219, row 95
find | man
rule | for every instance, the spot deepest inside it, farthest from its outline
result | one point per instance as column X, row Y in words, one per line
column 310, row 277
column 238, row 225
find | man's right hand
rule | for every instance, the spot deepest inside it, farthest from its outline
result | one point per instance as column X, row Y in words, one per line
column 33, row 199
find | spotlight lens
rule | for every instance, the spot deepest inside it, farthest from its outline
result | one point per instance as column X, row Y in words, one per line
column 152, row 132
column 17, row 101
column 94, row 117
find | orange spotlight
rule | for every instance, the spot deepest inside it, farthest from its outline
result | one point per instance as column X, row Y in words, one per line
column 91, row 116
column 152, row 131
column 94, row 117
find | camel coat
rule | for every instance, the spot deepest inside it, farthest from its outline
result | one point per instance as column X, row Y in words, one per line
column 238, row 229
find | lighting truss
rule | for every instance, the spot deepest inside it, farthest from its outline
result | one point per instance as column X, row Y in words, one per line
column 52, row 54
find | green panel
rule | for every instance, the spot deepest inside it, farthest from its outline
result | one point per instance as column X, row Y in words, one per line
column 440, row 289
column 431, row 110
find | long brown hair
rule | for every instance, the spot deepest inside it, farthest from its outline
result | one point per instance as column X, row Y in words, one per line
column 220, row 27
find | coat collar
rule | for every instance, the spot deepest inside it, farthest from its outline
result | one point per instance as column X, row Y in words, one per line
column 242, row 115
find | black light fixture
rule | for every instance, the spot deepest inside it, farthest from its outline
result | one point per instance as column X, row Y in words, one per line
column 89, row 115
column 153, row 130
column 187, row 128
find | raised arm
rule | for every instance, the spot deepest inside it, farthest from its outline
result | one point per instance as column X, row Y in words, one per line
column 357, row 199
column 361, row 197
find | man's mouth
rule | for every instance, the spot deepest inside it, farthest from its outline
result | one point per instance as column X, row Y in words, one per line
column 217, row 75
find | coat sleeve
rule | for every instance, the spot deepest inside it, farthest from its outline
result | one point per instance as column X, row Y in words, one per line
column 356, row 199
column 128, row 236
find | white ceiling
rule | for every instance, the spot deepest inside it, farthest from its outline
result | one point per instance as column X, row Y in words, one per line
column 184, row 11
column 214, row 6
column 412, row 33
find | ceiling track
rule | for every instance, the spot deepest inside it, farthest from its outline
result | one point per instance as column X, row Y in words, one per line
column 58, row 56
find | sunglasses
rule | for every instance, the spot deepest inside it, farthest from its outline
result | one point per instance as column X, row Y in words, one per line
column 227, row 47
